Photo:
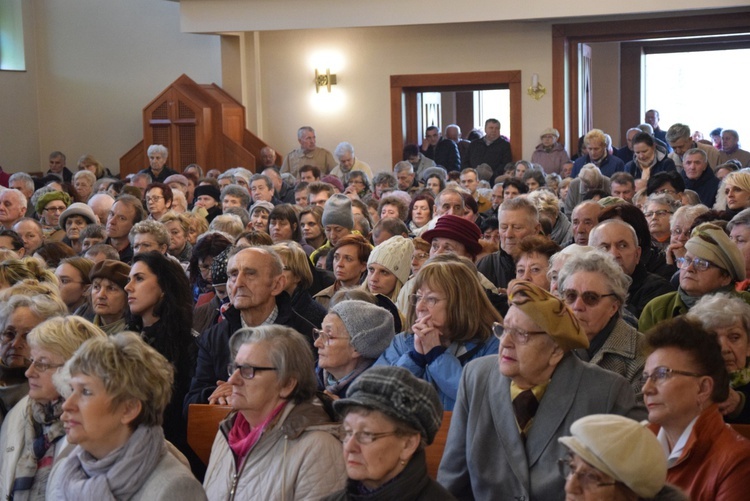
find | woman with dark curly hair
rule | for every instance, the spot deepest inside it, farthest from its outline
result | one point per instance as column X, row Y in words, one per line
column 205, row 250
column 161, row 309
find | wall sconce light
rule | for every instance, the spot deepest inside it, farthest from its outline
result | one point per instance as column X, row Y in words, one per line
column 324, row 80
column 537, row 90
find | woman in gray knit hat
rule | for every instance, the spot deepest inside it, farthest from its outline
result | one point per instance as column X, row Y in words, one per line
column 354, row 334
column 389, row 417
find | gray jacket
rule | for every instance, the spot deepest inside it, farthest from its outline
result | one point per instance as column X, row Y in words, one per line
column 485, row 457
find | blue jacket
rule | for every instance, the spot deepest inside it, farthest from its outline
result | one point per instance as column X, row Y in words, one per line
column 444, row 372
column 609, row 166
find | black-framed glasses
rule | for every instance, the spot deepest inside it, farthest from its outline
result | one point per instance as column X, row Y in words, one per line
column 327, row 338
column 54, row 209
column 519, row 336
column 43, row 366
column 590, row 298
column 154, row 198
column 661, row 373
column 362, row 437
column 698, row 263
column 247, row 371
column 586, row 479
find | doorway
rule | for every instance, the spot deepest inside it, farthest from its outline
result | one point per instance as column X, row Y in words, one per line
column 408, row 120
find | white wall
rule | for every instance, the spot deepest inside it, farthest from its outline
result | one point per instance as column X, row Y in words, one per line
column 358, row 110
column 97, row 63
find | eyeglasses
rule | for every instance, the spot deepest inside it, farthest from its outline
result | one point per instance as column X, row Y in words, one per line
column 586, row 479
column 43, row 366
column 154, row 198
column 665, row 192
column 362, row 437
column 327, row 338
column 519, row 336
column 247, row 371
column 204, row 267
column 698, row 263
column 430, row 301
column 589, row 298
column 54, row 209
column 679, row 232
column 657, row 213
column 661, row 374
column 420, row 255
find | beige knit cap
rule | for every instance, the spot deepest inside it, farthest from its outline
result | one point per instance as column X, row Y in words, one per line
column 395, row 255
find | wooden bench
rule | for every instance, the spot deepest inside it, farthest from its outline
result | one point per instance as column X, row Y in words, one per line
column 203, row 423
column 434, row 451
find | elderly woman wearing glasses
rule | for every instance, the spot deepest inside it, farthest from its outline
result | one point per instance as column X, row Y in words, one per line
column 389, row 418
column 33, row 437
column 117, row 388
column 634, row 469
column 658, row 211
column 451, row 322
column 684, row 379
column 280, row 442
column 49, row 208
column 504, row 430
column 594, row 286
column 728, row 317
column 355, row 333
column 712, row 263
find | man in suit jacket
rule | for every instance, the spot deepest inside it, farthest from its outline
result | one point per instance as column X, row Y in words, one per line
column 500, row 448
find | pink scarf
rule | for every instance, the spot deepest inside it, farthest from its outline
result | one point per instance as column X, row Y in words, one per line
column 242, row 437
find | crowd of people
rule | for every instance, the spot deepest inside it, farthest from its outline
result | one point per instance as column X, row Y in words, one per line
column 550, row 305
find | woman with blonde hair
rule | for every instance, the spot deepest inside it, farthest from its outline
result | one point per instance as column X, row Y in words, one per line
column 91, row 164
column 451, row 322
column 735, row 190
column 117, row 389
column 33, row 437
column 13, row 271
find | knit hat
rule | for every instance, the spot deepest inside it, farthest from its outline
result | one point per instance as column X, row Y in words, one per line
column 219, row 267
column 370, row 327
column 334, row 181
column 51, row 197
column 338, row 210
column 116, row 271
column 78, row 209
column 549, row 313
column 395, row 255
column 261, row 204
column 177, row 178
column 709, row 242
column 399, row 394
column 623, row 449
column 551, row 132
column 458, row 229
column 207, row 189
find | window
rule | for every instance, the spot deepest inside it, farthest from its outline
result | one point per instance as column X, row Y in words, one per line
column 11, row 36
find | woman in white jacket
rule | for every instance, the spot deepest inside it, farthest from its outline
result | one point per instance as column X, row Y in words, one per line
column 32, row 437
column 280, row 443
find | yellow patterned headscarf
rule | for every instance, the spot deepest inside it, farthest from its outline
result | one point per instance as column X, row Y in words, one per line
column 549, row 312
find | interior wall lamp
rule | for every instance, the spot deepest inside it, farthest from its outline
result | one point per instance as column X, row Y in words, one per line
column 324, row 80
column 537, row 90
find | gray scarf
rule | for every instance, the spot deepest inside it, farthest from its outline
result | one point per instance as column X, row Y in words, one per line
column 120, row 474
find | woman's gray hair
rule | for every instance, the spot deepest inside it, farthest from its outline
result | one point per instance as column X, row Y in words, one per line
column 87, row 174
column 596, row 261
column 721, row 310
column 690, row 212
column 43, row 306
column 289, row 352
column 664, row 199
column 158, row 148
column 591, row 177
column 742, row 218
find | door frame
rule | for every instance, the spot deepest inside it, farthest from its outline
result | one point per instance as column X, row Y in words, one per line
column 404, row 90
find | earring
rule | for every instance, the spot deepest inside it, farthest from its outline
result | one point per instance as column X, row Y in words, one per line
column 403, row 462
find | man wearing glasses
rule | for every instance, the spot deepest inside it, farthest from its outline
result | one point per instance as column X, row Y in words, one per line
column 712, row 263
column 504, row 429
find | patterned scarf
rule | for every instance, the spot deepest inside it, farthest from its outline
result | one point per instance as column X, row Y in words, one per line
column 41, row 432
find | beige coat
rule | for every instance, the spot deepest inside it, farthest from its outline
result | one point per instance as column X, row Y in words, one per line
column 298, row 458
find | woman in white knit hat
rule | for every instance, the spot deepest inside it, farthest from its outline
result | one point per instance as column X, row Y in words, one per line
column 389, row 266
